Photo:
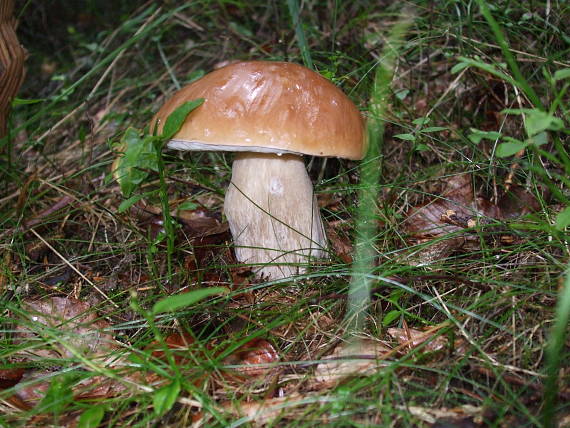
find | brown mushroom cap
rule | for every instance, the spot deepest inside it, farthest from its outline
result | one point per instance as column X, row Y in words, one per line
column 263, row 106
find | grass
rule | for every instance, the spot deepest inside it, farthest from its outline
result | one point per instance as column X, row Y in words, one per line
column 499, row 302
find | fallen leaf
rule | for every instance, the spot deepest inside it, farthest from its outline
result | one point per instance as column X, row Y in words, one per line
column 517, row 202
column 33, row 387
column 260, row 413
column 456, row 210
column 97, row 387
column 457, row 200
column 10, row 377
column 41, row 216
column 240, row 276
column 61, row 327
column 185, row 353
column 341, row 244
column 415, row 338
column 35, row 384
column 201, row 222
column 210, row 250
column 181, row 345
column 358, row 359
column 255, row 358
column 463, row 415
column 67, row 420
column 196, row 223
column 564, row 421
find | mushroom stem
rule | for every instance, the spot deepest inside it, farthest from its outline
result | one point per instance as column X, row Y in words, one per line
column 273, row 214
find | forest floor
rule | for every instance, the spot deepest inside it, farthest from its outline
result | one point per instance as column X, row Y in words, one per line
column 468, row 310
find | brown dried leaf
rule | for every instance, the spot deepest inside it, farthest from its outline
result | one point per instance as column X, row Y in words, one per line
column 195, row 223
column 359, row 359
column 185, row 352
column 40, row 217
column 517, row 202
column 260, row 413
column 456, row 417
column 342, row 246
column 435, row 251
column 10, row 377
column 97, row 387
column 456, row 210
column 415, row 338
column 209, row 250
column 201, row 222
column 426, row 221
column 35, row 384
column 181, row 345
column 240, row 276
column 33, row 387
column 72, row 327
column 255, row 358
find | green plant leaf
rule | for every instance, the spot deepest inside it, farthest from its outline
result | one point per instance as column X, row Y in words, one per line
column 127, row 203
column 165, row 397
column 395, row 296
column 195, row 75
column 92, row 417
column 402, row 94
column 172, row 303
column 138, row 158
column 406, row 137
column 563, row 219
column 21, row 101
column 477, row 135
column 538, row 121
column 187, row 206
column 489, row 68
column 539, row 139
column 421, row 121
column 295, row 14
column 562, row 74
column 459, row 67
column 434, row 129
column 516, row 110
column 240, row 29
column 390, row 317
column 175, row 120
column 510, row 148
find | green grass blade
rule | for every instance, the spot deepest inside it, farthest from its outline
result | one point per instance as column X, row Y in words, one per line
column 293, row 6
column 172, row 303
column 370, row 173
column 555, row 353
column 502, row 42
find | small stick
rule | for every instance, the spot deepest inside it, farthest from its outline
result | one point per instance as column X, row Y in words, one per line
column 73, row 267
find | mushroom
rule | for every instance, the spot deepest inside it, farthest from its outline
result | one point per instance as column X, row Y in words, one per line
column 270, row 113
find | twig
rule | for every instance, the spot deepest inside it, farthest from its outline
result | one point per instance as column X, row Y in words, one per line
column 491, row 45
column 63, row 202
column 64, row 260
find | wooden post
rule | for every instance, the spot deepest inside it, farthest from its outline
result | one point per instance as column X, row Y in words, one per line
column 12, row 56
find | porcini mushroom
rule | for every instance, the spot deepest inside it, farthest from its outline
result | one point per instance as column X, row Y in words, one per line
column 271, row 113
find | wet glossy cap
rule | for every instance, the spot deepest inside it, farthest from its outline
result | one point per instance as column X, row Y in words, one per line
column 263, row 106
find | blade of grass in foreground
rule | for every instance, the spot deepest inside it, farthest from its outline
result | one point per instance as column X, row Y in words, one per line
column 293, row 6
column 555, row 351
column 509, row 58
column 370, row 173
